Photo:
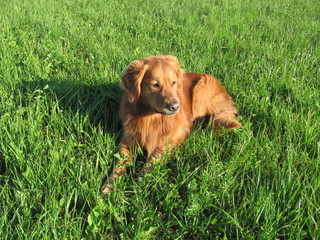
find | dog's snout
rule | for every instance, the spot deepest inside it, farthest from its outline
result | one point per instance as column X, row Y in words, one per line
column 173, row 107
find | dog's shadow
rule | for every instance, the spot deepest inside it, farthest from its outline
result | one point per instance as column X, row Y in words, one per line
column 100, row 103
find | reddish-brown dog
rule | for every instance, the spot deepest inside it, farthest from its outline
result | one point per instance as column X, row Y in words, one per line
column 161, row 105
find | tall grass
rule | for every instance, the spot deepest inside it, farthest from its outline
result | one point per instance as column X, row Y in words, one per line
column 60, row 63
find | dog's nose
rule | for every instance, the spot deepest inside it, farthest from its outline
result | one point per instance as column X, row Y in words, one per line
column 173, row 107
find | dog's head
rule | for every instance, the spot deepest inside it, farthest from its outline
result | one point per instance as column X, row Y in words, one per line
column 154, row 82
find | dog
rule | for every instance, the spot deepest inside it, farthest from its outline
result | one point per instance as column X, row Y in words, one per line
column 160, row 107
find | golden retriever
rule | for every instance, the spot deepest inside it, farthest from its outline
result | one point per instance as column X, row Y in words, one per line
column 160, row 107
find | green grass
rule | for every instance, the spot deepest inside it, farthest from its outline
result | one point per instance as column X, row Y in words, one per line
column 60, row 63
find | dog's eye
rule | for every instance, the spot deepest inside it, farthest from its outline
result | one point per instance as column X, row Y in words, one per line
column 174, row 83
column 156, row 85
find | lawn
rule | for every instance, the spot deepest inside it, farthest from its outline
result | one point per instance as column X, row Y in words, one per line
column 60, row 65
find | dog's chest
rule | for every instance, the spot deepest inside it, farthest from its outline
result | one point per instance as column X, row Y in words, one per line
column 154, row 132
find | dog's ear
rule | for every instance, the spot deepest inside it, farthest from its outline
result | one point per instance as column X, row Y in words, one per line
column 131, row 79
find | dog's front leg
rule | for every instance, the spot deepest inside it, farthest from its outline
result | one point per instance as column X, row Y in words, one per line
column 119, row 168
column 149, row 165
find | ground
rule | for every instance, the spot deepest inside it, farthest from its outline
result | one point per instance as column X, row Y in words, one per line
column 60, row 65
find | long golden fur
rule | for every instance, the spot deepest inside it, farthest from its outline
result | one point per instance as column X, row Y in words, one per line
column 162, row 104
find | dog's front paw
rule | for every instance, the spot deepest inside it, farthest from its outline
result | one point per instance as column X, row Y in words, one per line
column 147, row 168
column 107, row 188
column 139, row 178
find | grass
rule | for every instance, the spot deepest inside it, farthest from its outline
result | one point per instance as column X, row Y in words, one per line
column 60, row 63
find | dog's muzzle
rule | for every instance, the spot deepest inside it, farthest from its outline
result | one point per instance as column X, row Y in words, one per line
column 170, row 109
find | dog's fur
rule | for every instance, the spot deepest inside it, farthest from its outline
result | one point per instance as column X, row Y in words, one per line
column 161, row 105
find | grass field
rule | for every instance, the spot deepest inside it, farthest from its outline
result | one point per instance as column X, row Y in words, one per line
column 60, row 63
